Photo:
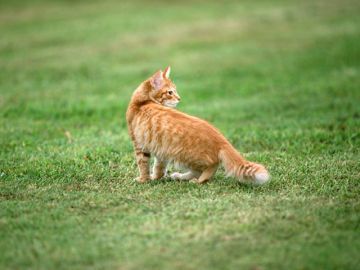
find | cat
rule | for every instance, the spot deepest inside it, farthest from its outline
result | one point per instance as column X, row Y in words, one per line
column 155, row 127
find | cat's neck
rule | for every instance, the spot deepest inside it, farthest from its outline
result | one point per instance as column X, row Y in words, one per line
column 138, row 99
column 141, row 95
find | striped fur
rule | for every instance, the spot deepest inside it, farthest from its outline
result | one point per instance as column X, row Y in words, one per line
column 173, row 136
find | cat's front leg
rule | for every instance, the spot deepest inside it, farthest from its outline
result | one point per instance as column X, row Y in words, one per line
column 159, row 169
column 142, row 159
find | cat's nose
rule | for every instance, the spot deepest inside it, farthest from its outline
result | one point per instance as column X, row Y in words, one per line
column 179, row 98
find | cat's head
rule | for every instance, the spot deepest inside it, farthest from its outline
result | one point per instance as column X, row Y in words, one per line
column 163, row 90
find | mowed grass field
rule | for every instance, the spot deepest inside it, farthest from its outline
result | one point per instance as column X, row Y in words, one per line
column 280, row 79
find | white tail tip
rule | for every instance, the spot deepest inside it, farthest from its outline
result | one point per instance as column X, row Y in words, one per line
column 261, row 178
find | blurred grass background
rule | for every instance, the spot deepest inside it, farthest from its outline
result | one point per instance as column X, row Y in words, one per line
column 279, row 78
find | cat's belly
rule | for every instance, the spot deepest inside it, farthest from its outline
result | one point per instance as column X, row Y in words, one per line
column 175, row 152
column 196, row 152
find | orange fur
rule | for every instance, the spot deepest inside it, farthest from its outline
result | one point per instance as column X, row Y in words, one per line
column 173, row 136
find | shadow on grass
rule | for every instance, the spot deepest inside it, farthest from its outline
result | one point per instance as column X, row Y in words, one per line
column 217, row 182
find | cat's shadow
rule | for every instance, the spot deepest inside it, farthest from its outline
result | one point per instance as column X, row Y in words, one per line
column 216, row 182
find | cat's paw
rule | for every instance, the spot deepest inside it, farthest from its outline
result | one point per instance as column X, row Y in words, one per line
column 155, row 177
column 175, row 176
column 194, row 181
column 182, row 176
column 141, row 179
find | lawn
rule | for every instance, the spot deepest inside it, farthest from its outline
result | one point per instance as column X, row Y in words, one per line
column 281, row 80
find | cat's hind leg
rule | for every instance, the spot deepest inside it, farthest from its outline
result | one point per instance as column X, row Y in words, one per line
column 185, row 176
column 206, row 174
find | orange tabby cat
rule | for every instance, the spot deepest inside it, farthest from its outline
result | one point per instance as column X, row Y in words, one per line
column 172, row 136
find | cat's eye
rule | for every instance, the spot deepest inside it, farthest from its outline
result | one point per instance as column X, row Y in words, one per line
column 170, row 92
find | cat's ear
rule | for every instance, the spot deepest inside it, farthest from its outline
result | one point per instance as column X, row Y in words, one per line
column 167, row 72
column 157, row 80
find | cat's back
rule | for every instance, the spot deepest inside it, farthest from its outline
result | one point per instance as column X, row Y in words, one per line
column 166, row 121
column 177, row 136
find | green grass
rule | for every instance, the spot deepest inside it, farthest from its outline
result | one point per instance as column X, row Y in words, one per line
column 280, row 79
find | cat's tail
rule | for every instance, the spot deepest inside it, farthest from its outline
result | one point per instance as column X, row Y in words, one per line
column 245, row 171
